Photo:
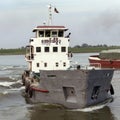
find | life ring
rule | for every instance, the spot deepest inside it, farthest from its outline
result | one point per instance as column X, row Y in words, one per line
column 111, row 89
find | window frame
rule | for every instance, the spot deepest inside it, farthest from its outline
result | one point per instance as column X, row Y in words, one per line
column 55, row 49
column 63, row 49
column 38, row 49
column 47, row 49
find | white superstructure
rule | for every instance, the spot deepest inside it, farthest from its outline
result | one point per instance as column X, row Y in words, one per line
column 48, row 50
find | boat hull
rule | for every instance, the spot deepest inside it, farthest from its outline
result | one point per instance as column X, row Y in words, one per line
column 104, row 63
column 72, row 88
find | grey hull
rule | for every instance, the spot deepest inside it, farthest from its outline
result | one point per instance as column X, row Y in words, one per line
column 73, row 88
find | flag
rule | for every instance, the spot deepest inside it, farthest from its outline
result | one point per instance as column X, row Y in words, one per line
column 55, row 10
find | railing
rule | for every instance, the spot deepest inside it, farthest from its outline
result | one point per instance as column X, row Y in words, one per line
column 76, row 66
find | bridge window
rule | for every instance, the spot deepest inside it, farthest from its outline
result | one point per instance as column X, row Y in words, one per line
column 54, row 33
column 38, row 49
column 60, row 33
column 46, row 49
column 55, row 49
column 47, row 33
column 41, row 33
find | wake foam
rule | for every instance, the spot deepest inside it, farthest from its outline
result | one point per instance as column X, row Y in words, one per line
column 6, row 84
column 96, row 107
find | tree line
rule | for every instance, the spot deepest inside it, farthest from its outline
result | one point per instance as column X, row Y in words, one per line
column 87, row 45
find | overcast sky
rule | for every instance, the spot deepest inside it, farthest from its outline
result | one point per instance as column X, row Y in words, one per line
column 90, row 21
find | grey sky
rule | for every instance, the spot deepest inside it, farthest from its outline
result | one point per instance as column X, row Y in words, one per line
column 90, row 21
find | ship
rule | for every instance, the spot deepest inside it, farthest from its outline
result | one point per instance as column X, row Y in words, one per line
column 106, row 59
column 51, row 76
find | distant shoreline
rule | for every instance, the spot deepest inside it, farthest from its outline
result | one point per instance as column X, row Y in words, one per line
column 16, row 51
column 89, row 49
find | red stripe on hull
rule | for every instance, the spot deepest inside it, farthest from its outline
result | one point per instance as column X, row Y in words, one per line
column 105, row 63
column 39, row 90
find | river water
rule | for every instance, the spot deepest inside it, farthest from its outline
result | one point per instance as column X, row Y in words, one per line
column 13, row 106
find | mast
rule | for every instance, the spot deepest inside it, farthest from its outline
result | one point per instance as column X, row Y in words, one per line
column 50, row 15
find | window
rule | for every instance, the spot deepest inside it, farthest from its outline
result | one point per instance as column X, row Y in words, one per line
column 56, row 64
column 55, row 49
column 46, row 49
column 64, row 64
column 41, row 33
column 60, row 33
column 45, row 64
column 47, row 33
column 37, row 64
column 38, row 49
column 54, row 33
column 52, row 76
column 63, row 49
